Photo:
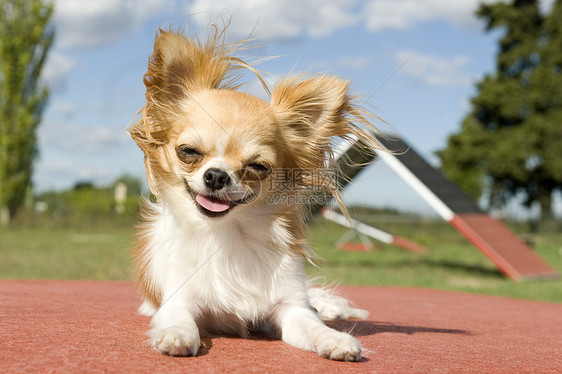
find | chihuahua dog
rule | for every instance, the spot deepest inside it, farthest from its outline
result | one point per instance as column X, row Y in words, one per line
column 215, row 254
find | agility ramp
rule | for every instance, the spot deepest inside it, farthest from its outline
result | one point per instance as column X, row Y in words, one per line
column 372, row 232
column 351, row 160
column 505, row 249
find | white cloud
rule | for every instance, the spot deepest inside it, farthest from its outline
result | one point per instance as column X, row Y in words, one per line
column 56, row 70
column 354, row 63
column 91, row 23
column 434, row 70
column 79, row 139
column 63, row 110
column 333, row 65
column 71, row 152
column 404, row 14
column 62, row 173
column 274, row 19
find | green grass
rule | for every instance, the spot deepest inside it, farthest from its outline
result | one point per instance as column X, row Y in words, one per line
column 60, row 253
column 100, row 252
column 451, row 263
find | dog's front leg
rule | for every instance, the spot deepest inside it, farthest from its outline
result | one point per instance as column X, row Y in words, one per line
column 302, row 328
column 174, row 331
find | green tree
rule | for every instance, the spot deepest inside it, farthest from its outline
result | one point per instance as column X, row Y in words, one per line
column 511, row 137
column 547, row 102
column 25, row 38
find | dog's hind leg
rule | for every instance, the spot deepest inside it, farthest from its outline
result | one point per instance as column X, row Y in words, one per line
column 146, row 309
column 330, row 306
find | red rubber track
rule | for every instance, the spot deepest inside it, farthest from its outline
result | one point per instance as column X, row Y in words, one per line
column 88, row 326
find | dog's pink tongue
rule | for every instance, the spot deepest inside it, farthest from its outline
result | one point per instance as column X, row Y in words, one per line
column 212, row 205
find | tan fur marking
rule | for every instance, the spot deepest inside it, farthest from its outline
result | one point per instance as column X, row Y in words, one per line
column 141, row 260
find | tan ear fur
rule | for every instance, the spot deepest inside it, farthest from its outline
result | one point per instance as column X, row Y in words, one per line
column 317, row 110
column 314, row 112
column 177, row 67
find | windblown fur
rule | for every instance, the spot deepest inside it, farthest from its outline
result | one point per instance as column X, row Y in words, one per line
column 215, row 254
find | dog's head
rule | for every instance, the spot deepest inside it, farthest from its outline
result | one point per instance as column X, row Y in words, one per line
column 218, row 149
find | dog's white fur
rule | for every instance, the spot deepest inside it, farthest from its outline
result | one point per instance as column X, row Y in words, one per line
column 241, row 271
column 215, row 278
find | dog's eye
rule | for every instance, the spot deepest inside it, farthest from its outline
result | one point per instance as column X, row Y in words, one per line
column 258, row 170
column 187, row 154
column 258, row 167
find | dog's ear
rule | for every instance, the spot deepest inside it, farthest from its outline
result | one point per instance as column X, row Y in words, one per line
column 177, row 67
column 180, row 64
column 314, row 111
column 312, row 107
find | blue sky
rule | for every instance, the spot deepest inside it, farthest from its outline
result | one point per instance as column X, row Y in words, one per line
column 416, row 60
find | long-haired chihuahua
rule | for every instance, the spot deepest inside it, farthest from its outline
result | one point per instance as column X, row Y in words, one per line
column 221, row 250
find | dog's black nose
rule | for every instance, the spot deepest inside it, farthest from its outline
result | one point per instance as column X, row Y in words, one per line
column 216, row 179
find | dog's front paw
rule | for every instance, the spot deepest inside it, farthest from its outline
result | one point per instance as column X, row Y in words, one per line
column 176, row 341
column 338, row 346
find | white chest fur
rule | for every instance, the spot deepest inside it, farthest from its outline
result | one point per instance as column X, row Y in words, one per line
column 235, row 272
